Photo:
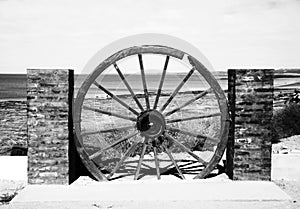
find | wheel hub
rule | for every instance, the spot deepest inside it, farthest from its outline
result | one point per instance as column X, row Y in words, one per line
column 151, row 123
column 105, row 151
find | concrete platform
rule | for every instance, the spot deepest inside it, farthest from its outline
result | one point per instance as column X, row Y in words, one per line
column 285, row 166
column 15, row 167
column 169, row 193
column 147, row 193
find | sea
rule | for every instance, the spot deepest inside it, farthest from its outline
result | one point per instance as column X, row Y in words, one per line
column 13, row 86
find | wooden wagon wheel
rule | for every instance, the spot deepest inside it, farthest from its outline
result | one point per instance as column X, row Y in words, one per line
column 151, row 121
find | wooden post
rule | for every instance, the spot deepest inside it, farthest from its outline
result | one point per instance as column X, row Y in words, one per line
column 231, row 109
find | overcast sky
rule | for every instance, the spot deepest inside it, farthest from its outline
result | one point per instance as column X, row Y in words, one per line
column 67, row 33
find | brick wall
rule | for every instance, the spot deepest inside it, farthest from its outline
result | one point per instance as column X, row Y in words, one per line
column 251, row 105
column 13, row 126
column 48, row 97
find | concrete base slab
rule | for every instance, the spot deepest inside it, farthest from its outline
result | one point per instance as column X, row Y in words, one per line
column 155, row 205
column 192, row 194
column 197, row 190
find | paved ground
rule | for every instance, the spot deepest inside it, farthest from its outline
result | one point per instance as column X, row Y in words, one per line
column 292, row 188
column 153, row 194
column 15, row 167
column 161, row 204
column 283, row 167
column 194, row 190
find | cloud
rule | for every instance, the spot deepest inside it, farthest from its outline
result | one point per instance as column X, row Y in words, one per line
column 67, row 33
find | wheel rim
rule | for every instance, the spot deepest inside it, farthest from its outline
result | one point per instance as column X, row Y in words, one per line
column 151, row 121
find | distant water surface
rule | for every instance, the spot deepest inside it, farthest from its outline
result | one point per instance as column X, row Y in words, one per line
column 13, row 86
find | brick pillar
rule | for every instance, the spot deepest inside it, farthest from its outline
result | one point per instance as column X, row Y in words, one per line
column 250, row 94
column 49, row 129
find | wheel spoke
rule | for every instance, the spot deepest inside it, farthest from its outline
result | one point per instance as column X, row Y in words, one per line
column 192, row 134
column 128, row 87
column 107, row 130
column 127, row 153
column 161, row 82
column 174, row 162
column 140, row 161
column 116, row 98
column 156, row 163
column 144, row 81
column 193, row 118
column 153, row 112
column 109, row 113
column 198, row 167
column 96, row 154
column 177, row 89
column 202, row 94
column 186, row 149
